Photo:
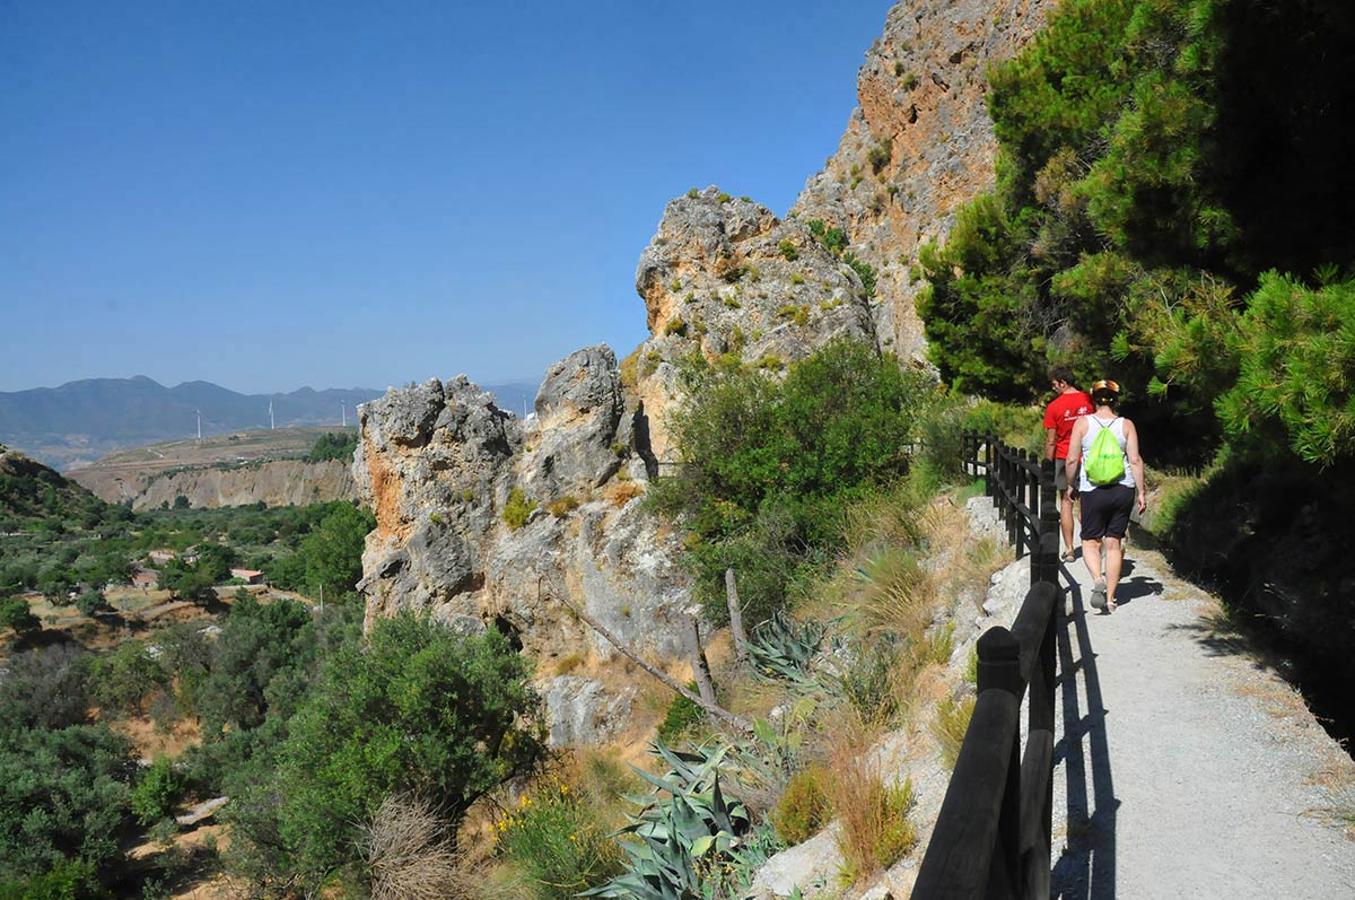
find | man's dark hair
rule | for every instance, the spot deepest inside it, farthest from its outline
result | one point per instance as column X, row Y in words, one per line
column 1061, row 373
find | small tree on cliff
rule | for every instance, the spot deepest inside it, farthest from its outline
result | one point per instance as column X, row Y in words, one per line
column 333, row 551
column 419, row 710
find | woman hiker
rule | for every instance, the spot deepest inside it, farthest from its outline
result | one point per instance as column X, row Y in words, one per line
column 1104, row 462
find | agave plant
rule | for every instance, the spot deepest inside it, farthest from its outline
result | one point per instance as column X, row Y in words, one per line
column 782, row 648
column 688, row 826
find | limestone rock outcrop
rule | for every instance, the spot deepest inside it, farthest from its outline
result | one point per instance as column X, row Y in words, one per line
column 487, row 520
column 724, row 277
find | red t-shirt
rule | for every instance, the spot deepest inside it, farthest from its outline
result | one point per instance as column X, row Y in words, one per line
column 1062, row 415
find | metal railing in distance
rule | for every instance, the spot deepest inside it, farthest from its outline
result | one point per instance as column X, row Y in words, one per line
column 992, row 838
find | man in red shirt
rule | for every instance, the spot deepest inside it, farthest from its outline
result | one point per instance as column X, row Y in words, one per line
column 1060, row 415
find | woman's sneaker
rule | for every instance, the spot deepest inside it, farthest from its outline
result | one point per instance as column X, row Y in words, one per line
column 1099, row 594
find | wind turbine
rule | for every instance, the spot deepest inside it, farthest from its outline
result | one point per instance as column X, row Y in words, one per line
column 271, row 426
column 199, row 412
column 343, row 411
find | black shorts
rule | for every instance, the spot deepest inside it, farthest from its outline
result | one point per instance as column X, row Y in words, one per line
column 1105, row 511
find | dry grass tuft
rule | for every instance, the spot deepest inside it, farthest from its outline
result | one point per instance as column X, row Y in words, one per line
column 950, row 725
column 568, row 663
column 873, row 826
column 619, row 493
column 409, row 852
column 1336, row 778
column 896, row 595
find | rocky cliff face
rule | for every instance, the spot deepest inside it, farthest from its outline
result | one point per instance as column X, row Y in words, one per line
column 284, row 482
column 919, row 145
column 488, row 520
column 724, row 277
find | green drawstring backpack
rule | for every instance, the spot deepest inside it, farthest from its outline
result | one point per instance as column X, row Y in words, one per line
column 1105, row 459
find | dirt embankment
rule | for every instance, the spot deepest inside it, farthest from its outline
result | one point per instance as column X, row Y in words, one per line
column 283, row 482
column 247, row 467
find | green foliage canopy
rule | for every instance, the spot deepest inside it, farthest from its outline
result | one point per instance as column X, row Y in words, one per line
column 767, row 465
column 334, row 445
column 1155, row 160
column 420, row 710
column 63, row 795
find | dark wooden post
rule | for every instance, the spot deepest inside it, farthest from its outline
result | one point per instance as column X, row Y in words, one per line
column 989, row 458
column 999, row 668
column 1049, row 523
column 700, row 667
column 1013, row 516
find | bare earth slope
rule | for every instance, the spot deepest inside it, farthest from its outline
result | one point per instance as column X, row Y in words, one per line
column 227, row 470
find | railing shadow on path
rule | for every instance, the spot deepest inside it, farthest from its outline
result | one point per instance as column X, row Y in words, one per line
column 1085, row 870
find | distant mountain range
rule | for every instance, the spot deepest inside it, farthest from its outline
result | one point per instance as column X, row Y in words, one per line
column 82, row 420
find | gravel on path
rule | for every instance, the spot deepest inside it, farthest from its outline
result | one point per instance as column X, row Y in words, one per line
column 1183, row 766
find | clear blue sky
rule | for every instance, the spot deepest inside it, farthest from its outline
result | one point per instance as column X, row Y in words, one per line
column 268, row 195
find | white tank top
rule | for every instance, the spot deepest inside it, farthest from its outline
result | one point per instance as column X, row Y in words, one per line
column 1094, row 426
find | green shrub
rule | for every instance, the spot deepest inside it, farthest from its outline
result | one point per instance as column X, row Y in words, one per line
column 675, row 327
column 72, row 786
column 797, row 313
column 804, row 807
column 879, row 155
column 723, row 198
column 157, row 791
column 418, row 710
column 796, row 278
column 518, row 509
column 334, row 445
column 833, row 239
column 769, row 466
column 125, row 677
column 868, row 683
column 14, row 613
column 70, row 879
column 682, row 714
column 864, row 270
column 1019, row 426
column 788, row 250
column 555, row 838
column 91, row 601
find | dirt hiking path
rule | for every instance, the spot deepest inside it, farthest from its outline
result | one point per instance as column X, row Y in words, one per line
column 1183, row 766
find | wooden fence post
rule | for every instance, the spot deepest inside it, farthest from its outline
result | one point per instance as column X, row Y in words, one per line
column 1049, row 522
column 999, row 668
column 700, row 668
column 989, row 458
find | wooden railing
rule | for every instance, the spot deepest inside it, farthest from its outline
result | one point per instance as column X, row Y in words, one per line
column 992, row 838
